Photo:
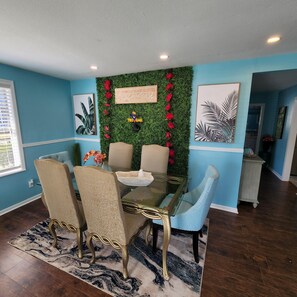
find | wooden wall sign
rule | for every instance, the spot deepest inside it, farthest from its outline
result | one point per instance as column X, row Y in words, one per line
column 146, row 94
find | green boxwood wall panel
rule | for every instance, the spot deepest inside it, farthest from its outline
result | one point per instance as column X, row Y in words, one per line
column 154, row 126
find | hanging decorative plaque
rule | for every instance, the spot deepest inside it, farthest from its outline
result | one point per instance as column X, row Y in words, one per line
column 146, row 94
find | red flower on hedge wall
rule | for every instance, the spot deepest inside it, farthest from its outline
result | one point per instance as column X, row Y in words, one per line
column 168, row 135
column 170, row 125
column 106, row 111
column 108, row 95
column 169, row 86
column 169, row 116
column 107, row 84
column 169, row 75
column 169, row 97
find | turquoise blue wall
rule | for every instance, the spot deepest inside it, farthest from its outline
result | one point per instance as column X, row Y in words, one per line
column 286, row 98
column 45, row 114
column 229, row 163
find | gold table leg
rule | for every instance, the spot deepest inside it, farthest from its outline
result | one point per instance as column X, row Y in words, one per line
column 166, row 239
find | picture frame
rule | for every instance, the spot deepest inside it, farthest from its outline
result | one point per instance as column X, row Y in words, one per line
column 84, row 114
column 280, row 123
column 216, row 112
column 132, row 95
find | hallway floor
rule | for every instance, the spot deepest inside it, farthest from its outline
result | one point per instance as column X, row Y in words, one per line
column 293, row 180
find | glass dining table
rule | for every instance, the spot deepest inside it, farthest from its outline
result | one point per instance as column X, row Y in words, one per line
column 145, row 200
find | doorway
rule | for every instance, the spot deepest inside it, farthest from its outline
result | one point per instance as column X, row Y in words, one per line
column 290, row 144
column 254, row 127
column 294, row 162
column 266, row 87
column 293, row 177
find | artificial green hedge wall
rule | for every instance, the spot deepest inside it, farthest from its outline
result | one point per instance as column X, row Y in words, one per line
column 154, row 126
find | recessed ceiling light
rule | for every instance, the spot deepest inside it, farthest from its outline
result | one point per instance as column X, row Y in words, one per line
column 273, row 39
column 164, row 57
column 94, row 67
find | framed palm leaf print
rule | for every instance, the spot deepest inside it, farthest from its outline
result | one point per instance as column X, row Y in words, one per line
column 280, row 122
column 216, row 112
column 84, row 113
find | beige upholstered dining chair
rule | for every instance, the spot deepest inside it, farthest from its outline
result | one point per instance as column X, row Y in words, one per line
column 104, row 213
column 120, row 155
column 64, row 209
column 154, row 158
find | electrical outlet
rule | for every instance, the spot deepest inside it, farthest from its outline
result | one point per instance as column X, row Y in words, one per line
column 31, row 183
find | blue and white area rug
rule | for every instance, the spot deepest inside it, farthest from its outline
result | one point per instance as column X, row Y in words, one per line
column 144, row 267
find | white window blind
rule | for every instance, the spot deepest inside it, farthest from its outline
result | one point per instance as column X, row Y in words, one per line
column 11, row 151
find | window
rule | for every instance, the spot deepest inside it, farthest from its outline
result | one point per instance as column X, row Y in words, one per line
column 11, row 151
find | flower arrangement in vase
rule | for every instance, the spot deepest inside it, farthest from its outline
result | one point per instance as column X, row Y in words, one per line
column 98, row 157
column 267, row 141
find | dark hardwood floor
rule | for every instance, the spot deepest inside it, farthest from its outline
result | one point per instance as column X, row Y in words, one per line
column 254, row 253
column 250, row 254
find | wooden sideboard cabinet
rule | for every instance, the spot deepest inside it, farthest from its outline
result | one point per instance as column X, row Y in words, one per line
column 250, row 179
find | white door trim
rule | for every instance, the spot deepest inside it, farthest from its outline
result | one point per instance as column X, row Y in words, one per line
column 260, row 125
column 290, row 144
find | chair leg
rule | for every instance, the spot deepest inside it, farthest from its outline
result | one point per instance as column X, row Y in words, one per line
column 79, row 237
column 148, row 233
column 52, row 230
column 196, row 245
column 43, row 200
column 91, row 247
column 155, row 237
column 125, row 259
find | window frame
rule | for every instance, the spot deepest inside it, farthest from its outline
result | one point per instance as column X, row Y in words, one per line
column 22, row 167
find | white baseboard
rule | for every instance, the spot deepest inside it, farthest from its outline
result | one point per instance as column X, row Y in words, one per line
column 20, row 204
column 276, row 174
column 224, row 208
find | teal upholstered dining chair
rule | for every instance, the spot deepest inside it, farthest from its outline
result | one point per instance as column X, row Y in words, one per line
column 192, row 210
column 62, row 157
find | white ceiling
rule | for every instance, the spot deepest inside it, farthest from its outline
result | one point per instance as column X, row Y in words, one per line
column 63, row 38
